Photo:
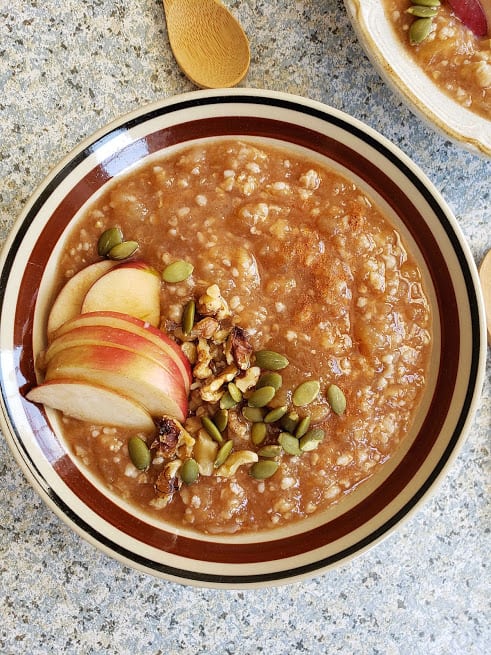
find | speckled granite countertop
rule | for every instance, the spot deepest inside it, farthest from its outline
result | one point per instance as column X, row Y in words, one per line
column 67, row 68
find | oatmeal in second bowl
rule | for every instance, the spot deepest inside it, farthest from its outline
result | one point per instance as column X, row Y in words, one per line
column 437, row 55
column 236, row 369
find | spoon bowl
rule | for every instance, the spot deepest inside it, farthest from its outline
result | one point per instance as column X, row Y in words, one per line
column 208, row 43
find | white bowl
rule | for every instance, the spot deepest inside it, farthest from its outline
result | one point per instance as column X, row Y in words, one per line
column 376, row 507
column 406, row 77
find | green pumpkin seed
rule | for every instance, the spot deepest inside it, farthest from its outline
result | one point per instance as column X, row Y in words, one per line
column 188, row 316
column 428, row 3
column 311, row 439
column 234, row 392
column 290, row 421
column 275, row 414
column 123, row 250
column 227, row 402
column 336, row 399
column 178, row 271
column 189, row 471
column 212, row 429
column 271, row 360
column 263, row 469
column 289, row 443
column 258, row 433
column 308, row 443
column 306, row 392
column 108, row 239
column 261, row 397
column 422, row 12
column 302, row 427
column 419, row 30
column 220, row 419
column 270, row 380
column 223, row 453
column 253, row 414
column 139, row 453
column 270, row 451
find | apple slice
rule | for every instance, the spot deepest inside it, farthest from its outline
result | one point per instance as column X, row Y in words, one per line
column 124, row 372
column 93, row 404
column 68, row 302
column 102, row 335
column 132, row 288
column 136, row 326
column 473, row 15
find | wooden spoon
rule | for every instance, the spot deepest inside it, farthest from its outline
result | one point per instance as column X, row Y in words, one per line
column 208, row 43
column 485, row 275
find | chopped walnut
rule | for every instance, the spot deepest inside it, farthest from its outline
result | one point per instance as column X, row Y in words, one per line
column 249, row 379
column 172, row 438
column 202, row 368
column 234, row 460
column 212, row 391
column 168, row 481
column 189, row 349
column 168, row 431
column 238, row 348
column 213, row 304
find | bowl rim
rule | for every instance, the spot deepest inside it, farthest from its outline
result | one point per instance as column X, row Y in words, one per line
column 264, row 98
column 406, row 78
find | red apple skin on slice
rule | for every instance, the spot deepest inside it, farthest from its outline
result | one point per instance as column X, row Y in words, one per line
column 137, row 326
column 131, row 288
column 93, row 404
column 473, row 15
column 101, row 335
column 68, row 302
column 124, row 372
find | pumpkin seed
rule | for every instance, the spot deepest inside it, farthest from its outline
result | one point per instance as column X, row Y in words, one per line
column 290, row 421
column 189, row 471
column 302, row 427
column 253, row 414
column 123, row 250
column 234, row 391
column 223, row 453
column 220, row 419
column 261, row 397
column 336, row 399
column 212, row 429
column 422, row 12
column 306, row 392
column 258, row 433
column 311, row 440
column 428, row 3
column 188, row 316
column 270, row 451
column 227, row 402
column 263, row 469
column 289, row 443
column 275, row 414
column 270, row 380
column 271, row 360
column 139, row 453
column 419, row 30
column 108, row 239
column 178, row 271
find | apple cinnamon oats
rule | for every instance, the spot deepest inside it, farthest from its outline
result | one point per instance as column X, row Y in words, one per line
column 265, row 346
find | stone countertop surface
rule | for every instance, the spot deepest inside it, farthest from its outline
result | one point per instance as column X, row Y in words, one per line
column 66, row 69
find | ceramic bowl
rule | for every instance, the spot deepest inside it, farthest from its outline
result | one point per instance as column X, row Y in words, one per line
column 364, row 517
column 406, row 78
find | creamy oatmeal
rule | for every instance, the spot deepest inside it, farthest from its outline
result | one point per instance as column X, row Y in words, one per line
column 287, row 256
column 456, row 60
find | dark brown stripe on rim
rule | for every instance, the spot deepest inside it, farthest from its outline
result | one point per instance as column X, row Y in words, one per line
column 414, row 222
